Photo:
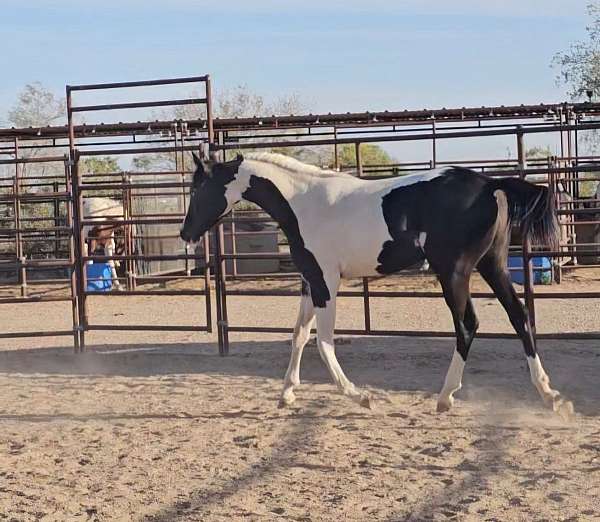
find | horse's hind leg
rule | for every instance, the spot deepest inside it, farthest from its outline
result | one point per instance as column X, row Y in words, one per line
column 493, row 269
column 456, row 293
column 301, row 335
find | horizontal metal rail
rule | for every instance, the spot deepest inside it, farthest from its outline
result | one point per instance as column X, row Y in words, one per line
column 45, row 333
column 146, row 327
column 420, row 333
column 141, row 83
column 138, row 105
column 35, row 299
column 127, row 293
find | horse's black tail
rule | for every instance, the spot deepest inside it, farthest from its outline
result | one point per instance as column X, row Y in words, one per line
column 532, row 207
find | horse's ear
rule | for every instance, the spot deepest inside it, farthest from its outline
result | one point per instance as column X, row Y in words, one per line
column 197, row 160
column 239, row 157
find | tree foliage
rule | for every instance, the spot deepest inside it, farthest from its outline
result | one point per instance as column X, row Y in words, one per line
column 36, row 107
column 98, row 166
column 239, row 102
column 370, row 154
column 538, row 152
column 579, row 66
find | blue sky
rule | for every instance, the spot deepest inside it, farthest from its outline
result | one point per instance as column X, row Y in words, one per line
column 337, row 55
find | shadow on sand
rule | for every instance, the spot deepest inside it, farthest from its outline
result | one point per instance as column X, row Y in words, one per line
column 388, row 364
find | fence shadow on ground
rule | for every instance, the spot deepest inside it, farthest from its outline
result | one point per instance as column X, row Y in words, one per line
column 383, row 363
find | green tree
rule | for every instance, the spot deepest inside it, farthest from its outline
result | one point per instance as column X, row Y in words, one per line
column 370, row 154
column 579, row 65
column 588, row 188
column 99, row 165
column 95, row 167
column 579, row 69
column 538, row 152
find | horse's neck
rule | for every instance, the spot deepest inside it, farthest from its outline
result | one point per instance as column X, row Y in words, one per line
column 273, row 188
column 288, row 183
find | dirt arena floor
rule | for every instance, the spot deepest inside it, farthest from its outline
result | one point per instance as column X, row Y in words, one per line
column 152, row 426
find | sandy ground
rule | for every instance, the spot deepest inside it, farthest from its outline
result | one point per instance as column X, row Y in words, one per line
column 156, row 426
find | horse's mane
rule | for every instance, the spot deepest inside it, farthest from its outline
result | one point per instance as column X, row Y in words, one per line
column 292, row 164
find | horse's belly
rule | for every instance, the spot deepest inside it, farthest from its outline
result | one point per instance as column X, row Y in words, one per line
column 368, row 267
column 361, row 260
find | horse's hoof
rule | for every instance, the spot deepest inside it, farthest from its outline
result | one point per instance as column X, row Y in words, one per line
column 564, row 408
column 286, row 402
column 366, row 401
column 444, row 405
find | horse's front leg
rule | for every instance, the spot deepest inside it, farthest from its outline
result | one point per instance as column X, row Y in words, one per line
column 325, row 343
column 301, row 335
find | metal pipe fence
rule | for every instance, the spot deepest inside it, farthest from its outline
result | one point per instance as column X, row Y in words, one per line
column 219, row 261
column 146, row 188
column 555, row 170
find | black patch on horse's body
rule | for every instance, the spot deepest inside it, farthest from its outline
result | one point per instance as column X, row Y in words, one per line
column 399, row 254
column 453, row 210
column 265, row 194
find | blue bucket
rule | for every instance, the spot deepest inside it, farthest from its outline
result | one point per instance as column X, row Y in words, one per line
column 99, row 277
column 542, row 270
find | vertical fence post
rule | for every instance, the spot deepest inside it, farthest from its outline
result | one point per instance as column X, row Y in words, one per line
column 527, row 261
column 57, row 220
column 336, row 158
column 220, row 290
column 207, row 266
column 77, row 209
column 433, row 145
column 359, row 165
column 365, row 280
column 222, row 270
column 216, row 264
column 73, row 260
column 19, row 249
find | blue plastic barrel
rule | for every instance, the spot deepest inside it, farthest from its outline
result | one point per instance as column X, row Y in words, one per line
column 542, row 270
column 99, row 277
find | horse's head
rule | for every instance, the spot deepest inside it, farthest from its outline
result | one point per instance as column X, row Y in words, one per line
column 215, row 189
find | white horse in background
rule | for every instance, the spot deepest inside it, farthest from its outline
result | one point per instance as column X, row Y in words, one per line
column 103, row 210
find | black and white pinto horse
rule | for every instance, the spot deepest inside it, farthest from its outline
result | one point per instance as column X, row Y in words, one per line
column 340, row 226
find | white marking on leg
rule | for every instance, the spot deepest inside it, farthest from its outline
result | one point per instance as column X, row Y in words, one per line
column 540, row 379
column 551, row 397
column 452, row 383
column 325, row 327
column 301, row 335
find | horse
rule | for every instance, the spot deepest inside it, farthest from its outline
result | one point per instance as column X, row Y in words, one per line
column 103, row 209
column 341, row 226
